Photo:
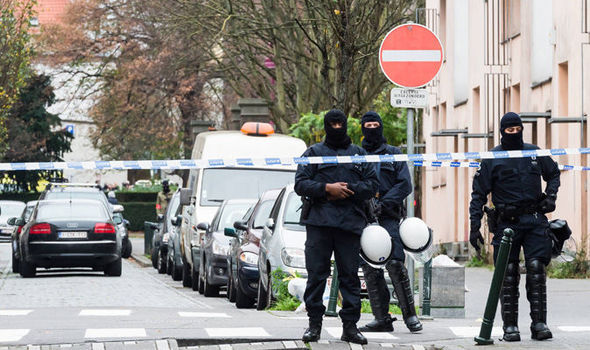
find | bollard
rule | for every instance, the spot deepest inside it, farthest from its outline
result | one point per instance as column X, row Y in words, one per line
column 485, row 333
column 426, row 285
column 331, row 310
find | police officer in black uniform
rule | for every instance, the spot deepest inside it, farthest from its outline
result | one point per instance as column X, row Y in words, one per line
column 515, row 184
column 395, row 185
column 333, row 212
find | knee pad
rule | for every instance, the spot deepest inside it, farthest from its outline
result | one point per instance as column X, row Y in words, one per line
column 535, row 266
column 395, row 264
column 370, row 273
column 512, row 276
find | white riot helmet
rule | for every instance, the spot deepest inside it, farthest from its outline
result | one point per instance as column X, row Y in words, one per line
column 415, row 235
column 376, row 246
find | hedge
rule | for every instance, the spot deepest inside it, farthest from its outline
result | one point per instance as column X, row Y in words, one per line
column 23, row 197
column 136, row 196
column 138, row 212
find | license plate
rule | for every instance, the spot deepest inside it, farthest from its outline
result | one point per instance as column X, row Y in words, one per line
column 72, row 234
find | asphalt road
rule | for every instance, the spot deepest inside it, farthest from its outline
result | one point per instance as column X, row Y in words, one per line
column 81, row 306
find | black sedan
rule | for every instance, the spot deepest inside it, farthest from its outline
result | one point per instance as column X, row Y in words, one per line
column 70, row 233
column 25, row 216
column 242, row 262
column 215, row 245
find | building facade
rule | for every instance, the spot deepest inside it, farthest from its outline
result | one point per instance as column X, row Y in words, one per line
column 529, row 57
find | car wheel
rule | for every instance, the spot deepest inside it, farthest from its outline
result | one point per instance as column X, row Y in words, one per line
column 161, row 262
column 176, row 272
column 126, row 251
column 231, row 290
column 242, row 300
column 155, row 258
column 196, row 280
column 169, row 265
column 114, row 268
column 261, row 296
column 269, row 289
column 15, row 264
column 186, row 275
column 27, row 270
column 209, row 290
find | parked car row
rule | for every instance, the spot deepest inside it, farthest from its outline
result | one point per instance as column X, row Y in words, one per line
column 71, row 225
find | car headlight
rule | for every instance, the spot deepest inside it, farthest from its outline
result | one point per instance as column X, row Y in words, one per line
column 165, row 238
column 219, row 249
column 249, row 258
column 293, row 257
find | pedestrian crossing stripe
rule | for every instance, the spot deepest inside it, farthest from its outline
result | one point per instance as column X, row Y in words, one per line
column 237, row 332
column 12, row 335
column 469, row 332
column 15, row 312
column 104, row 312
column 574, row 329
column 336, row 332
column 115, row 333
column 203, row 314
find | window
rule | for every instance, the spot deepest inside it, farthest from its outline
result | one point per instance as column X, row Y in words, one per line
column 461, row 51
column 262, row 214
column 511, row 19
column 541, row 47
column 562, row 98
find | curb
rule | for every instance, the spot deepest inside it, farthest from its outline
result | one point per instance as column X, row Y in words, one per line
column 141, row 260
column 161, row 344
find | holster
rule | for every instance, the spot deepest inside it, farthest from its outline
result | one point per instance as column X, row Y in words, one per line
column 305, row 207
column 492, row 214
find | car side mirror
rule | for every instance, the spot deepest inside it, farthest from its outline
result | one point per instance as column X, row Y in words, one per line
column 177, row 220
column 240, row 225
column 11, row 221
column 118, row 208
column 117, row 220
column 229, row 232
column 204, row 226
column 185, row 196
column 270, row 223
column 160, row 217
column 127, row 223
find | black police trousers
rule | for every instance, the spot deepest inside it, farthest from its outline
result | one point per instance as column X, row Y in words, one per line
column 320, row 243
column 530, row 233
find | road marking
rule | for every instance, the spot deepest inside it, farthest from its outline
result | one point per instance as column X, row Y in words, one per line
column 97, row 346
column 225, row 347
column 411, row 55
column 203, row 314
column 34, row 347
column 237, row 332
column 104, row 312
column 10, row 335
column 289, row 344
column 15, row 312
column 468, row 332
column 162, row 345
column 574, row 329
column 114, row 332
column 336, row 332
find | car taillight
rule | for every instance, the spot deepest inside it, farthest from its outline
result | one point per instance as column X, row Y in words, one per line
column 19, row 229
column 40, row 229
column 104, row 228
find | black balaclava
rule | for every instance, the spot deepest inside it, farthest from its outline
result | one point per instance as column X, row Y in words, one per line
column 336, row 138
column 373, row 137
column 165, row 187
column 511, row 141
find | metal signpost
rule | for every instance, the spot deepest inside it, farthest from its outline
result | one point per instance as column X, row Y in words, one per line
column 410, row 56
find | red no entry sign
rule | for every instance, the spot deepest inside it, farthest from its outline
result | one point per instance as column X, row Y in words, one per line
column 410, row 55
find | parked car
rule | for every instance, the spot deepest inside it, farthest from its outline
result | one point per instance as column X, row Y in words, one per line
column 76, row 190
column 126, row 246
column 242, row 261
column 282, row 244
column 8, row 209
column 209, row 187
column 174, row 260
column 70, row 233
column 162, row 235
column 25, row 216
column 215, row 245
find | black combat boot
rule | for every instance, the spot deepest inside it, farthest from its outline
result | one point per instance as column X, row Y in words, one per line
column 313, row 332
column 351, row 334
column 401, row 284
column 536, row 292
column 379, row 299
column 509, row 302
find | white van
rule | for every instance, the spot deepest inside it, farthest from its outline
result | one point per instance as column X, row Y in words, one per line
column 211, row 186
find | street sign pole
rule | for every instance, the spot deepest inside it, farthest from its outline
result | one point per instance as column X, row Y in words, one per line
column 410, row 198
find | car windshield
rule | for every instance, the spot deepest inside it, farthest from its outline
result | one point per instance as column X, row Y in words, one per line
column 221, row 184
column 231, row 213
column 72, row 210
column 76, row 195
column 293, row 212
column 11, row 209
column 262, row 214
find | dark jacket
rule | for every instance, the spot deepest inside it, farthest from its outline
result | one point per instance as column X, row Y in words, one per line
column 512, row 181
column 310, row 181
column 395, row 183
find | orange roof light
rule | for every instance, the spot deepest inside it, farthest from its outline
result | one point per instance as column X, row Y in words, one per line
column 257, row 129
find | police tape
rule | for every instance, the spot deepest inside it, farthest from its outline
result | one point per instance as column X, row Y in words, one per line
column 436, row 164
column 286, row 161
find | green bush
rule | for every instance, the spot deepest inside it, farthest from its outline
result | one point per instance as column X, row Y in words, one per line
column 23, row 197
column 123, row 196
column 577, row 268
column 138, row 212
column 284, row 301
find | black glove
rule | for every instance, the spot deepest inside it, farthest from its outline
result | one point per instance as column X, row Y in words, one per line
column 475, row 237
column 547, row 205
